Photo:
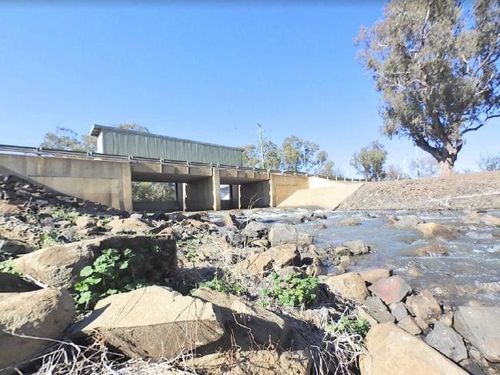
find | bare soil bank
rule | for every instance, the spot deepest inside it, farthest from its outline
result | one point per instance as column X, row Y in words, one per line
column 460, row 191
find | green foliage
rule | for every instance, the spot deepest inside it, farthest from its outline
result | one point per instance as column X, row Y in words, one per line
column 62, row 214
column 109, row 274
column 7, row 266
column 189, row 247
column 436, row 65
column 69, row 140
column 350, row 326
column 49, row 238
column 224, row 285
column 153, row 191
column 370, row 160
column 294, row 290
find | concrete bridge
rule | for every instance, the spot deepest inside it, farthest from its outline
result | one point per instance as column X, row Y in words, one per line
column 107, row 179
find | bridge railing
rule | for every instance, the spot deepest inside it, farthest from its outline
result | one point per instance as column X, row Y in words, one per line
column 88, row 155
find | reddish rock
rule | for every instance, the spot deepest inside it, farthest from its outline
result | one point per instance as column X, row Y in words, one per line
column 391, row 289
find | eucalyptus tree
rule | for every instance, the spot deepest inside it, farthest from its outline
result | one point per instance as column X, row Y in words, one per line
column 436, row 65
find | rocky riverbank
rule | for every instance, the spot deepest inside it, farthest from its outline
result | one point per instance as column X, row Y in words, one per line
column 473, row 191
column 86, row 289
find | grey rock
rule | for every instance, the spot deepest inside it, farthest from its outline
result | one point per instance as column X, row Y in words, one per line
column 398, row 310
column 281, row 234
column 481, row 327
column 376, row 308
column 254, row 229
column 357, row 247
column 445, row 340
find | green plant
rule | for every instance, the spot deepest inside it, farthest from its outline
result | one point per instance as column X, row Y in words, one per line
column 351, row 326
column 293, row 290
column 7, row 266
column 224, row 285
column 109, row 274
column 190, row 246
column 62, row 214
column 49, row 238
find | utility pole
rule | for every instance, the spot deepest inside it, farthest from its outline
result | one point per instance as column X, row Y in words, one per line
column 260, row 132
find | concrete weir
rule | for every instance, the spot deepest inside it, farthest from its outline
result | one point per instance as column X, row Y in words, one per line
column 198, row 186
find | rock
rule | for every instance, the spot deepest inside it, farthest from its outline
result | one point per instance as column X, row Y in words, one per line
column 59, row 266
column 349, row 285
column 394, row 351
column 44, row 313
column 350, row 221
column 345, row 261
column 231, row 221
column 445, row 340
column 481, row 327
column 357, row 247
column 424, row 306
column 13, row 283
column 391, row 289
column 398, row 310
column 431, row 230
column 373, row 275
column 377, row 310
column 254, row 229
column 257, row 263
column 341, row 251
column 9, row 209
column 491, row 220
column 406, row 222
column 246, row 324
column 153, row 322
column 363, row 314
column 447, row 318
column 431, row 250
column 130, row 225
column 261, row 362
column 280, row 234
column 14, row 247
column 284, row 255
column 85, row 222
column 262, row 242
column 409, row 325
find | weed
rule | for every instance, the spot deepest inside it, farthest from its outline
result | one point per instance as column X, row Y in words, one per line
column 351, row 326
column 189, row 247
column 108, row 275
column 293, row 290
column 224, row 285
column 62, row 214
column 8, row 267
column 49, row 238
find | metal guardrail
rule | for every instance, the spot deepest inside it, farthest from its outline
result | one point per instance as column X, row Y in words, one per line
column 39, row 151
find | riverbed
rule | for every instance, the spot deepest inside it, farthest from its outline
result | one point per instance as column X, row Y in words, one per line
column 469, row 274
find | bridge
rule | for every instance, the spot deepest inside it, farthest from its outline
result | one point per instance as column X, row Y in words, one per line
column 108, row 178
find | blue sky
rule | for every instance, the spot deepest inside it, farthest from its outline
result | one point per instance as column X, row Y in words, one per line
column 206, row 71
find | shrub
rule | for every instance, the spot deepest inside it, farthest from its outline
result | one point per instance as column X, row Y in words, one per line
column 109, row 274
column 8, row 267
column 351, row 326
column 294, row 290
column 224, row 285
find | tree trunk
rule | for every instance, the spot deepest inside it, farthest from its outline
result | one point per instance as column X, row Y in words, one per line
column 445, row 167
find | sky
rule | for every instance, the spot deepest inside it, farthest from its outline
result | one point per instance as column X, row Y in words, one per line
column 207, row 71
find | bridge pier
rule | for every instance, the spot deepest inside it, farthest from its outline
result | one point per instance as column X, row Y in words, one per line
column 255, row 194
column 203, row 194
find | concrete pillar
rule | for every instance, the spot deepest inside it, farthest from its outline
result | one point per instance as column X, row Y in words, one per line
column 179, row 194
column 235, row 196
column 255, row 194
column 126, row 203
column 203, row 194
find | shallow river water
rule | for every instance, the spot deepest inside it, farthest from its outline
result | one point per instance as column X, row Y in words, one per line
column 470, row 273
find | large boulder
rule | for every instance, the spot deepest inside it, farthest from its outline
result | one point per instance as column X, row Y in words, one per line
column 245, row 323
column 131, row 225
column 349, row 285
column 431, row 230
column 153, row 322
column 280, row 234
column 59, row 266
column 39, row 316
column 256, row 362
column 424, row 306
column 254, row 229
column 394, row 351
column 391, row 289
column 276, row 257
column 406, row 222
column 373, row 275
column 447, row 341
column 481, row 327
column 377, row 310
column 357, row 247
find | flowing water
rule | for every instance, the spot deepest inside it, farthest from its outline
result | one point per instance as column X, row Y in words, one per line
column 470, row 272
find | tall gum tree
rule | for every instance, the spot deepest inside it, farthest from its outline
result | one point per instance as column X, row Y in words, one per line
column 436, row 66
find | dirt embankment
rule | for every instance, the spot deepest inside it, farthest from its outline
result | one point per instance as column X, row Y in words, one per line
column 460, row 191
